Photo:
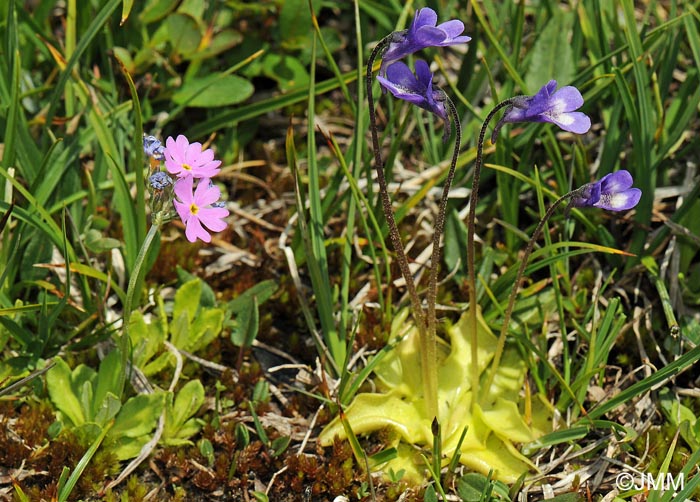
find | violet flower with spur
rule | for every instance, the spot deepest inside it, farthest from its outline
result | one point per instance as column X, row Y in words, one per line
column 424, row 32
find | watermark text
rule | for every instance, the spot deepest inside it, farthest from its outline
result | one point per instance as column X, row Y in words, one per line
column 645, row 481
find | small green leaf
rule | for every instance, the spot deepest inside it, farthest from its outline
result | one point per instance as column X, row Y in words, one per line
column 60, row 388
column 248, row 325
column 279, row 445
column 107, row 382
column 214, row 91
column 552, row 55
column 208, row 298
column 97, row 243
column 430, row 495
column 222, row 41
column 187, row 403
column 471, row 486
column 138, row 416
column 187, row 299
column 262, row 290
column 287, row 71
column 126, row 9
column 205, row 327
column 184, row 33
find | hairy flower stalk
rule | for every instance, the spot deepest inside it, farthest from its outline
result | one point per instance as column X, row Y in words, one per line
column 471, row 274
column 417, row 89
column 613, row 192
column 548, row 105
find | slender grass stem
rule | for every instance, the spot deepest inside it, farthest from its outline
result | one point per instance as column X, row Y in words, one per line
column 426, row 343
column 516, row 288
column 471, row 274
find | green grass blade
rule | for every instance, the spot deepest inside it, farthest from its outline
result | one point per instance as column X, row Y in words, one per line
column 85, row 40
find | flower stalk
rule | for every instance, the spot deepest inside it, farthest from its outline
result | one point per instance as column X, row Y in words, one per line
column 429, row 375
column 471, row 262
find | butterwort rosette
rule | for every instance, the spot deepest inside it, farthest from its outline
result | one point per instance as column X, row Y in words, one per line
column 424, row 32
column 613, row 192
column 416, row 88
column 548, row 105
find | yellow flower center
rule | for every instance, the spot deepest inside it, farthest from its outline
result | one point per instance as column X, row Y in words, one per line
column 194, row 209
column 186, row 167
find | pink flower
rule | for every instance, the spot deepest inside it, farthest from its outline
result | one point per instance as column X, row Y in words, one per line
column 195, row 209
column 184, row 159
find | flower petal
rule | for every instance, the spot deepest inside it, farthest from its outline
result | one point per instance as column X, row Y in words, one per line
column 183, row 210
column 213, row 218
column 424, row 17
column 576, row 122
column 618, row 181
column 567, row 99
column 620, row 201
column 453, row 29
column 183, row 189
column 194, row 230
column 206, row 193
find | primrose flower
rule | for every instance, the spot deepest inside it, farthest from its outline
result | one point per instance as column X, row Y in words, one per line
column 422, row 33
column 613, row 192
column 153, row 147
column 416, row 89
column 199, row 209
column 549, row 106
column 184, row 159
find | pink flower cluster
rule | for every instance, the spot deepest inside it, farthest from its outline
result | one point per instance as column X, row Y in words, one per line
column 197, row 204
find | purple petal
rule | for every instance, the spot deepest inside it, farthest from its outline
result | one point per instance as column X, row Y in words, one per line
column 423, row 74
column 567, row 99
column 430, row 36
column 424, row 17
column 620, row 201
column 576, row 122
column 402, row 93
column 452, row 28
column 400, row 75
column 539, row 103
column 618, row 181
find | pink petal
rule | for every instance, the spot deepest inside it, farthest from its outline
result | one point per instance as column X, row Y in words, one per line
column 182, row 143
column 183, row 189
column 195, row 230
column 193, row 153
column 213, row 218
column 205, row 156
column 183, row 211
column 205, row 193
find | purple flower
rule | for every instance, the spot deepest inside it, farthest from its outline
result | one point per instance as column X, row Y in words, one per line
column 422, row 33
column 416, row 89
column 198, row 210
column 549, row 106
column 612, row 192
column 153, row 147
column 184, row 159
